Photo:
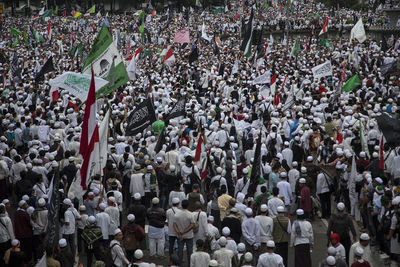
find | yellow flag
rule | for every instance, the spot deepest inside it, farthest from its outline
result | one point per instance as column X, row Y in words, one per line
column 77, row 14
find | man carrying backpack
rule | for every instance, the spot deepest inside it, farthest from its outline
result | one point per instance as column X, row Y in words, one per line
column 92, row 236
column 342, row 224
column 133, row 236
column 117, row 253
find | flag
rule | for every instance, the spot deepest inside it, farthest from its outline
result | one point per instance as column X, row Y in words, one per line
column 204, row 33
column 276, row 98
column 103, row 142
column 295, row 49
column 153, row 13
column 41, row 12
column 54, row 94
column 390, row 128
column 141, row 29
column 273, row 83
column 140, row 118
column 90, row 135
column 53, row 222
column 381, row 157
column 358, row 32
column 15, row 43
column 141, row 16
column 351, row 84
column 35, row 17
column 15, row 31
column 77, row 14
column 247, row 37
column 217, row 41
column 389, row 68
column 255, row 168
column 56, row 11
column 131, row 70
column 38, row 37
column 182, row 36
column 194, row 55
column 169, row 56
column 178, row 109
column 218, row 11
column 363, row 139
column 339, row 136
column 42, row 262
column 46, row 15
column 237, row 16
column 325, row 43
column 101, row 56
column 199, row 148
column 15, row 69
column 160, row 141
column 49, row 31
column 91, row 10
column 325, row 27
column 47, row 67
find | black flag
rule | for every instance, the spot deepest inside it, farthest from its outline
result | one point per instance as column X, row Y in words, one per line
column 160, row 141
column 389, row 68
column 247, row 32
column 178, row 109
column 47, row 67
column 194, row 55
column 15, row 69
column 140, row 118
column 53, row 228
column 255, row 170
column 384, row 46
column 390, row 128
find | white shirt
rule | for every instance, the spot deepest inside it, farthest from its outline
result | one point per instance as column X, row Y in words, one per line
column 322, row 183
column 69, row 217
column 136, row 184
column 170, row 214
column 273, row 205
column 306, row 236
column 293, row 175
column 285, row 190
column 199, row 259
column 287, row 154
column 266, row 226
column 103, row 221
column 270, row 260
column 117, row 253
column 113, row 212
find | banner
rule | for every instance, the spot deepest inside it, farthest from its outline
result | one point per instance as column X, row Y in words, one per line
column 178, row 109
column 182, row 36
column 53, row 228
column 263, row 79
column 140, row 118
column 390, row 128
column 101, row 57
column 77, row 84
column 322, row 70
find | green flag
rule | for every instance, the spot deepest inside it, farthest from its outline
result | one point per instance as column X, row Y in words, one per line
column 218, row 11
column 15, row 31
column 38, row 37
column 111, row 75
column 325, row 43
column 266, row 5
column 141, row 15
column 317, row 15
column 142, row 27
column 147, row 52
column 351, row 84
column 92, row 10
column 101, row 57
column 296, row 48
column 15, row 43
column 47, row 14
column 56, row 11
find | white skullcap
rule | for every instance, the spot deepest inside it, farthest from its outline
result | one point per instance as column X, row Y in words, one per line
column 62, row 243
column 249, row 211
column 340, row 206
column 294, row 164
column 309, row 158
column 280, row 209
column 102, row 206
column 15, row 243
column 331, row 251
column 175, row 201
column 131, row 217
column 226, row 231
column 155, row 201
column 67, row 201
column 138, row 254
column 264, row 208
column 300, row 212
column 21, row 203
column 270, row 244
column 241, row 247
column 213, row 263
column 117, row 231
column 41, row 202
column 222, row 241
column 359, row 251
column 364, row 236
column 91, row 219
column 248, row 257
column 302, row 180
column 137, row 196
column 379, row 180
column 330, row 260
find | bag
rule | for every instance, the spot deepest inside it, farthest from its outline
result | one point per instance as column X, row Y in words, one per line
column 108, row 259
column 386, row 222
column 331, row 186
column 193, row 177
column 196, row 224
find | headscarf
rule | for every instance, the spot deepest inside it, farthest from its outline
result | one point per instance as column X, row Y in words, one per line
column 336, row 237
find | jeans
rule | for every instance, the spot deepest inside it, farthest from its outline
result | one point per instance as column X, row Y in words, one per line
column 171, row 244
column 189, row 250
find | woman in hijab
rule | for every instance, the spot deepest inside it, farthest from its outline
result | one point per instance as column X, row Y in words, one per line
column 334, row 241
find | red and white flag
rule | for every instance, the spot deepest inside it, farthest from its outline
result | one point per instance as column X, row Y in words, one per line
column 153, row 13
column 169, row 56
column 89, row 147
column 49, row 31
column 54, row 93
column 182, row 36
column 199, row 148
column 273, row 84
column 325, row 27
column 35, row 17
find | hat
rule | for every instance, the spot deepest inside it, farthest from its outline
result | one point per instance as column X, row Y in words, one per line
column 331, row 251
column 175, row 201
column 210, row 218
column 241, row 247
column 294, row 164
column 300, row 212
column 303, row 169
column 283, row 174
column 137, row 196
column 21, row 203
column 264, row 208
column 62, row 243
column 90, row 194
column 67, row 201
column 379, row 180
column 25, row 197
column 111, row 199
column 362, row 154
column 222, row 241
column 340, row 206
column 359, row 251
column 379, row 189
column 226, row 231
column 138, row 254
column 117, row 231
column 149, row 167
column 330, row 260
column 213, row 263
column 102, row 206
column 249, row 212
column 42, row 202
column 396, row 201
column 248, row 257
column 364, row 237
column 309, row 158
column 71, row 159
column 82, row 207
column 92, row 219
column 15, row 243
column 302, row 180
column 155, row 201
column 270, row 244
column 280, row 209
column 131, row 217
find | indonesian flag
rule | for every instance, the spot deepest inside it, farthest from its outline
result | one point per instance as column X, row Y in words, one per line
column 325, row 27
column 89, row 147
column 199, row 148
column 137, row 53
column 218, row 41
column 237, row 16
column 49, row 31
column 54, row 93
column 154, row 12
column 273, row 84
column 339, row 136
column 35, row 17
column 381, row 157
column 169, row 56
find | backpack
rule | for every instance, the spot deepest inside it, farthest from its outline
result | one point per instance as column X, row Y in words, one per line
column 196, row 224
column 386, row 222
column 194, row 179
column 108, row 258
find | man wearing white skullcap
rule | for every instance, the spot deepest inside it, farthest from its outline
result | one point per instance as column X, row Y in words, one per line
column 170, row 214
column 69, row 224
column 223, row 255
column 117, row 253
column 302, row 239
column 266, row 225
column 212, row 233
column 251, row 231
column 7, row 232
column 199, row 258
column 281, row 233
column 103, row 221
column 269, row 258
column 133, row 235
column 363, row 243
column 65, row 256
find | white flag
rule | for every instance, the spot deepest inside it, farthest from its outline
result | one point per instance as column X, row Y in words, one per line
column 358, row 32
column 322, row 70
column 132, row 69
column 42, row 262
column 235, row 68
column 103, row 138
column 263, row 79
column 204, row 34
column 41, row 12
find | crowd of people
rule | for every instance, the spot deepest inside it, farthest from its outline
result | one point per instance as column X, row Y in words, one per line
column 239, row 178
